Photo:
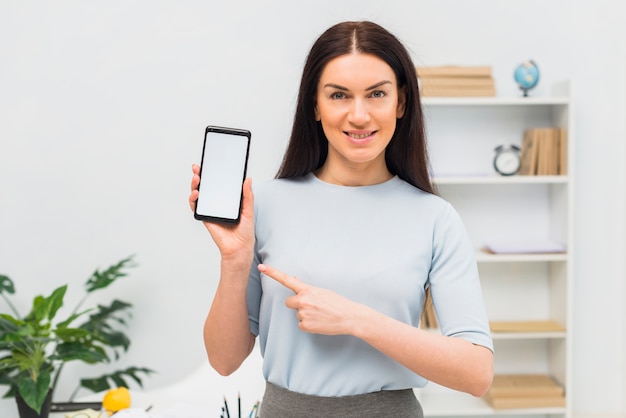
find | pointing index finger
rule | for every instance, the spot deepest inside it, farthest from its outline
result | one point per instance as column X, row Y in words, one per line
column 286, row 280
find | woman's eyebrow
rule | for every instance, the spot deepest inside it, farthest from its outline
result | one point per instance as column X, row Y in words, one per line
column 335, row 86
column 375, row 86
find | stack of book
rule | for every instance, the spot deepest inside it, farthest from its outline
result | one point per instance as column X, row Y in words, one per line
column 429, row 317
column 524, row 391
column 456, row 81
column 544, row 152
column 526, row 326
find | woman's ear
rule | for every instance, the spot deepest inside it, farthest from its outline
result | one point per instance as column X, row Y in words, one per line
column 401, row 102
column 317, row 113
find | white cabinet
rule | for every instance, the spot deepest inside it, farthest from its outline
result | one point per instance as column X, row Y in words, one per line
column 462, row 135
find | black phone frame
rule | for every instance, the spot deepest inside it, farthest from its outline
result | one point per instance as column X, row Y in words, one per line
column 229, row 131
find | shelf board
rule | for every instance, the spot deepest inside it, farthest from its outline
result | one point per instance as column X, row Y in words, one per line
column 553, row 335
column 495, row 101
column 493, row 179
column 483, row 257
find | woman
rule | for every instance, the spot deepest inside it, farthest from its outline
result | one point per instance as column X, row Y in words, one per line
column 330, row 263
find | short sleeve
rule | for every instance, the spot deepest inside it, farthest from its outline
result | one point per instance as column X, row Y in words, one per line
column 455, row 284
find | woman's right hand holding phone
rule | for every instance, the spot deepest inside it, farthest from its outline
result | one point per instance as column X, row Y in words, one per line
column 235, row 242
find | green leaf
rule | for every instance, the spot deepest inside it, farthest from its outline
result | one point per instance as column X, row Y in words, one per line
column 105, row 313
column 24, row 332
column 68, row 321
column 132, row 372
column 35, row 392
column 36, row 313
column 115, row 379
column 118, row 380
column 101, row 324
column 87, row 353
column 7, row 370
column 54, row 302
column 97, row 384
column 73, row 334
column 6, row 285
column 8, row 324
column 46, row 308
column 100, row 280
column 32, row 359
column 115, row 339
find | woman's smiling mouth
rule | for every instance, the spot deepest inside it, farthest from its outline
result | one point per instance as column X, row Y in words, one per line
column 360, row 138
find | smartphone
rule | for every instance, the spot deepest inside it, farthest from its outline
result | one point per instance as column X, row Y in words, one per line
column 222, row 172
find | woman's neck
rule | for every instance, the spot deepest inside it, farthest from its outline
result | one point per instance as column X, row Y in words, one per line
column 349, row 176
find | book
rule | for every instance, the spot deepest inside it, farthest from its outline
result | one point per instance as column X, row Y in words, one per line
column 454, row 71
column 524, row 385
column 525, row 402
column 562, row 169
column 525, row 326
column 457, row 82
column 552, row 147
column 458, row 92
column 429, row 317
column 543, row 152
column 542, row 139
column 548, row 155
column 528, row 154
column 524, row 391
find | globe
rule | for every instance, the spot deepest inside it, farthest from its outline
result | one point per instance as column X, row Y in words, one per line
column 526, row 76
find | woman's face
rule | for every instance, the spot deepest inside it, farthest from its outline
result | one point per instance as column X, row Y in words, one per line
column 358, row 102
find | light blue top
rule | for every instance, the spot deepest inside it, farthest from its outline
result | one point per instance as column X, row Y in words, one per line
column 379, row 245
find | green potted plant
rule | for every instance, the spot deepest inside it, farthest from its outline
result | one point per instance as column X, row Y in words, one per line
column 34, row 348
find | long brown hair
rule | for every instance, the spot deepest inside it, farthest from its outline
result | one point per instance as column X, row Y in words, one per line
column 406, row 155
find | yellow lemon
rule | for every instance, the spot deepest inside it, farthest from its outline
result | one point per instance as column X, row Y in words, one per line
column 116, row 399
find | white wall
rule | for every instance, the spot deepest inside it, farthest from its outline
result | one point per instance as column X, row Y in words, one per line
column 103, row 106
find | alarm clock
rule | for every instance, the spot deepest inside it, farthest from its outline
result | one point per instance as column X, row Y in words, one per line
column 507, row 160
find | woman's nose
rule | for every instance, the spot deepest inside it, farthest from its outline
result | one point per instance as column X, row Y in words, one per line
column 359, row 113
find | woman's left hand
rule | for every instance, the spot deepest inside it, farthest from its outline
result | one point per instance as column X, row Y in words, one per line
column 319, row 311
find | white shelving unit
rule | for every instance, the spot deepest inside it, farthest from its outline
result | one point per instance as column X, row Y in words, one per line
column 462, row 134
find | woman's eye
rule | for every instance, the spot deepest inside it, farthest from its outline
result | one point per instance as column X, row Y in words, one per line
column 378, row 93
column 338, row 95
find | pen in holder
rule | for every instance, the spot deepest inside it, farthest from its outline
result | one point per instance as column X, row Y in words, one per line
column 254, row 412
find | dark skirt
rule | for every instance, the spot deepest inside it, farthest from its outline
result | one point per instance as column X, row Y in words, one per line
column 282, row 403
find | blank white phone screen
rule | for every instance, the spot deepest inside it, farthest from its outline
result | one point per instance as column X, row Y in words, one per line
column 221, row 177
